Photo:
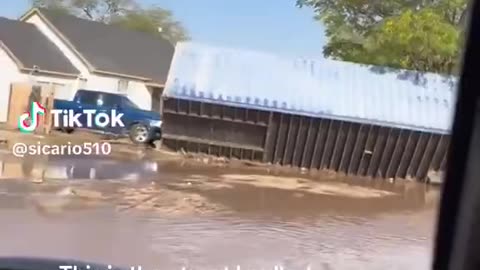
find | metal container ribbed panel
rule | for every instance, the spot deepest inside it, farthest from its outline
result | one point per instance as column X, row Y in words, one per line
column 319, row 88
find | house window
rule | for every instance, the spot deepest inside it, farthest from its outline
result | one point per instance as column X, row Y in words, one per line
column 122, row 86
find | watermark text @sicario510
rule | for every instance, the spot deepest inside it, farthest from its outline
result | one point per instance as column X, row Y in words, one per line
column 83, row 149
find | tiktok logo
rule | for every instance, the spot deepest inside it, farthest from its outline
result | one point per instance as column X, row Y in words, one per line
column 29, row 121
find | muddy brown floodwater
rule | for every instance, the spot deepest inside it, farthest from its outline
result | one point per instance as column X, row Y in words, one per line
column 169, row 215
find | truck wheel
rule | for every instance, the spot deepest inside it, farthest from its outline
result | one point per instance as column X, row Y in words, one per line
column 67, row 130
column 139, row 133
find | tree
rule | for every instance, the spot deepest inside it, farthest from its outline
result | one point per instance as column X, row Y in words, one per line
column 422, row 35
column 153, row 20
column 125, row 13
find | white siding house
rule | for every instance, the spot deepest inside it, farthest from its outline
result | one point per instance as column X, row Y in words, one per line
column 9, row 73
column 19, row 65
column 72, row 53
column 137, row 91
column 109, row 58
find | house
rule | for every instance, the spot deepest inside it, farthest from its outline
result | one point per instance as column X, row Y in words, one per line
column 310, row 114
column 51, row 48
column 26, row 55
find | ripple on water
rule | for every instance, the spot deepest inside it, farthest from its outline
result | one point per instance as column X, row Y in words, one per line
column 337, row 230
column 294, row 244
column 206, row 242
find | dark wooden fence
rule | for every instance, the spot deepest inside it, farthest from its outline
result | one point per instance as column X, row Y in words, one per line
column 301, row 141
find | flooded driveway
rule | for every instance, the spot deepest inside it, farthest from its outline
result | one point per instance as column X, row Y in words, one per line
column 169, row 215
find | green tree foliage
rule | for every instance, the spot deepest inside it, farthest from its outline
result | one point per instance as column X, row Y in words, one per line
column 125, row 13
column 422, row 35
column 153, row 20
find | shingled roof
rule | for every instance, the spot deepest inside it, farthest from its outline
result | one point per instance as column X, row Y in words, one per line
column 29, row 48
column 113, row 49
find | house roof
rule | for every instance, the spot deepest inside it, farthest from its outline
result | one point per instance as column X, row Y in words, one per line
column 319, row 88
column 112, row 49
column 29, row 48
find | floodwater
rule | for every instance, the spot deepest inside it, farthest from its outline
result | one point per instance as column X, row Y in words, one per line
column 169, row 215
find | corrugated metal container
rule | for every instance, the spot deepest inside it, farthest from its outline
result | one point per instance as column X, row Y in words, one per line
column 322, row 114
column 323, row 88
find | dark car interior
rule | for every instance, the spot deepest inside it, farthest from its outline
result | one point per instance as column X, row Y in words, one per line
column 458, row 225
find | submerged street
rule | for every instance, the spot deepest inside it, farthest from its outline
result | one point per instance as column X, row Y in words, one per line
column 286, row 135
column 172, row 214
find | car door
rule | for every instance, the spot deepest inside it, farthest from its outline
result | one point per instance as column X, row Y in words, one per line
column 98, row 102
column 128, row 109
column 115, row 106
column 104, row 105
column 86, row 101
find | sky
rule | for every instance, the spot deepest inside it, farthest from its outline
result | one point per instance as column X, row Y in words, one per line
column 276, row 26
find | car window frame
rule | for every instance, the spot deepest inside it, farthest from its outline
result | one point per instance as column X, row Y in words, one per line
column 457, row 242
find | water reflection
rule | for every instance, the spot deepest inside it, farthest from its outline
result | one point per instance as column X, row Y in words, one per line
column 208, row 218
column 76, row 168
column 239, row 191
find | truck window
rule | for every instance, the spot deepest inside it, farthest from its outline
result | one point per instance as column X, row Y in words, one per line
column 101, row 100
column 111, row 100
column 88, row 98
column 128, row 103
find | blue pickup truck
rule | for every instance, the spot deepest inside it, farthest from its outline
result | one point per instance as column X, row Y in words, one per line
column 141, row 126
